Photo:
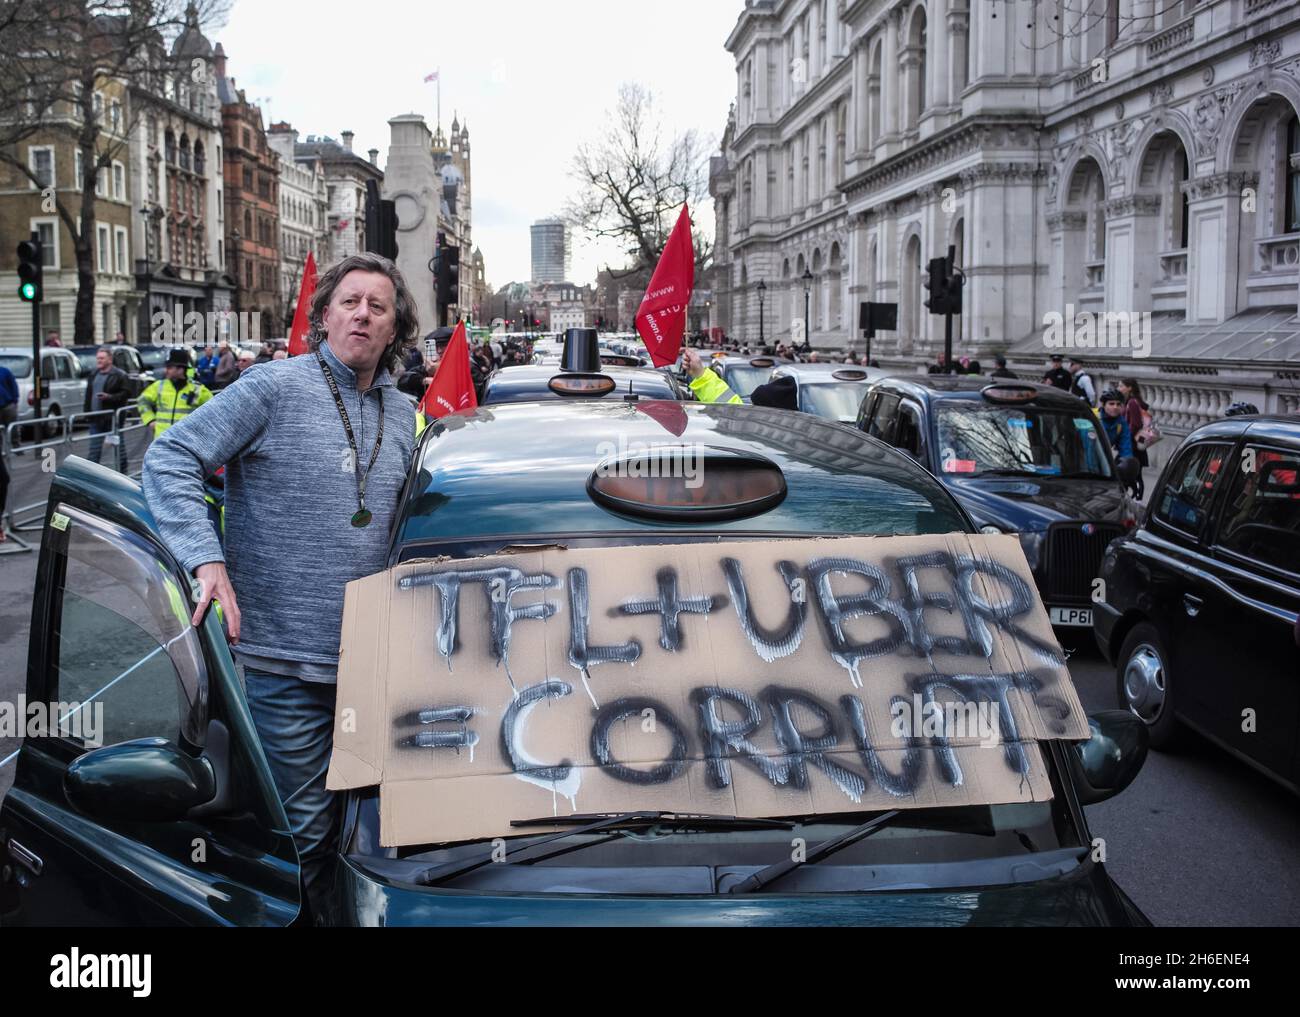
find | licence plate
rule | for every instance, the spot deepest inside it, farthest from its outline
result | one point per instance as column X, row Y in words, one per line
column 1077, row 616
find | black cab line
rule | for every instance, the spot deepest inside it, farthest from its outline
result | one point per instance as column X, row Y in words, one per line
column 1200, row 606
column 1020, row 458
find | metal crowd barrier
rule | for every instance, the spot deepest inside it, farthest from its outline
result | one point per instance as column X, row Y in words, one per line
column 115, row 439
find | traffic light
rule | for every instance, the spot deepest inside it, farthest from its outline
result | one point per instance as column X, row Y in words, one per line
column 31, row 272
column 955, row 283
column 937, row 285
column 447, row 260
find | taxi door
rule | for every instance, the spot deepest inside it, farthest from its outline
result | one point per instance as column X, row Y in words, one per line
column 141, row 794
column 1251, row 604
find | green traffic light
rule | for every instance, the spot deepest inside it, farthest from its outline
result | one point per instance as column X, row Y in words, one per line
column 27, row 291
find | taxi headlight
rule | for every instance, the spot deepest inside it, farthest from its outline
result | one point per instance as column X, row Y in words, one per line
column 1031, row 542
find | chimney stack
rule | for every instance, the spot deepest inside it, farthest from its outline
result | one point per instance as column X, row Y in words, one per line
column 347, row 140
column 374, row 156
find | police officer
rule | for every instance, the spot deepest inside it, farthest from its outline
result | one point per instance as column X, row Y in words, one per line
column 173, row 399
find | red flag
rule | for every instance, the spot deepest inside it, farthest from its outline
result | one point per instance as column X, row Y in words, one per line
column 452, row 388
column 661, row 319
column 298, row 334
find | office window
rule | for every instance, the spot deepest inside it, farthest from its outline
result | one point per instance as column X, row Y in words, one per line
column 119, row 181
column 40, row 160
column 78, row 177
column 104, row 264
column 119, row 249
column 48, row 231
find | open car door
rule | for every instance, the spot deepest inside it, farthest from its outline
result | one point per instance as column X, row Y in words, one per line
column 146, row 799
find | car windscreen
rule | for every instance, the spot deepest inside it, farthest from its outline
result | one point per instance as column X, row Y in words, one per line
column 153, row 356
column 86, row 361
column 743, row 379
column 979, row 437
column 20, row 365
column 833, row 401
column 922, row 848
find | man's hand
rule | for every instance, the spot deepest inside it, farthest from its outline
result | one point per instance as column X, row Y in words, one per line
column 692, row 363
column 214, row 584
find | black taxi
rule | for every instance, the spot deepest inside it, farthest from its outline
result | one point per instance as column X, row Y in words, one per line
column 1021, row 458
column 584, row 372
column 1200, row 606
column 107, row 835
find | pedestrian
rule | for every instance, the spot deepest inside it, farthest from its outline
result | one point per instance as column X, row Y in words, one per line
column 246, row 360
column 52, row 338
column 1001, row 370
column 1081, row 382
column 227, row 366
column 172, row 399
column 266, row 354
column 280, row 355
column 779, row 393
column 707, row 384
column 107, row 391
column 974, row 367
column 416, row 379
column 299, row 531
column 1056, row 374
column 207, row 367
column 1114, row 424
column 1138, row 416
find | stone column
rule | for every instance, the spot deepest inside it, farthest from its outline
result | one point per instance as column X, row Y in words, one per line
column 1213, row 240
column 889, row 111
column 859, row 139
column 1132, row 249
column 938, row 62
column 958, row 26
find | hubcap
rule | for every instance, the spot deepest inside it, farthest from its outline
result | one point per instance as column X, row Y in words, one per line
column 1144, row 683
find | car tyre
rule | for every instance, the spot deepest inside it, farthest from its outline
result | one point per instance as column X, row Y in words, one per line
column 1145, row 686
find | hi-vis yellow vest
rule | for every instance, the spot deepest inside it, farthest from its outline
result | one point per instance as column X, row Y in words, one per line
column 163, row 404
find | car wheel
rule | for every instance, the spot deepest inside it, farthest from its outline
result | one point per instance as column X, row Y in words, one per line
column 1145, row 686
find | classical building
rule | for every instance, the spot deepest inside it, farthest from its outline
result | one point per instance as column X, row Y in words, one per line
column 1087, row 160
column 346, row 174
column 552, row 257
column 177, row 189
column 27, row 206
column 304, row 205
column 252, row 178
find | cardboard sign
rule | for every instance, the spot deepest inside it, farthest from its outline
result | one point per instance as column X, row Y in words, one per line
column 752, row 678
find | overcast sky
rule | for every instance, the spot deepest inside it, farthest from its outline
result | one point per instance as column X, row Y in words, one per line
column 531, row 80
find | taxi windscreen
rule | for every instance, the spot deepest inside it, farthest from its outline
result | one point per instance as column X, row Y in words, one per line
column 834, row 402
column 743, row 378
column 20, row 365
column 975, row 438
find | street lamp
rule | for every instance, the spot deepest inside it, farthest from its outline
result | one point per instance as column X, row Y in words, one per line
column 762, row 289
column 807, row 296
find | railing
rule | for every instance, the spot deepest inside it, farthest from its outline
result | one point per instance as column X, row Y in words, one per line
column 1084, row 81
column 1279, row 254
column 32, row 457
column 1254, row 7
column 1173, row 266
column 1171, row 38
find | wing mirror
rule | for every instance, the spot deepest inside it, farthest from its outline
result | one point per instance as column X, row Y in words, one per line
column 1110, row 759
column 1128, row 470
column 151, row 780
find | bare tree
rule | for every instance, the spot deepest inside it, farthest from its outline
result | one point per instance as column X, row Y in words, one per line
column 59, row 56
column 632, row 182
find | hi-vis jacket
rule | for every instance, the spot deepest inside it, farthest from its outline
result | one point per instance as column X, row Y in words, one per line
column 709, row 388
column 163, row 404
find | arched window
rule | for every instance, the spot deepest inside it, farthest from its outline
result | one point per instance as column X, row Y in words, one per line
column 185, row 152
column 199, row 160
column 873, row 94
column 169, row 147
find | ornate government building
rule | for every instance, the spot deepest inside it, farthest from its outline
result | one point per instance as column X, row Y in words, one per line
column 1085, row 158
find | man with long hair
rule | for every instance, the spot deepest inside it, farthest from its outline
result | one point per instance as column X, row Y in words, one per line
column 316, row 450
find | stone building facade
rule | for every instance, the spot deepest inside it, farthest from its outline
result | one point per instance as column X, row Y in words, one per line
column 303, row 208
column 1086, row 160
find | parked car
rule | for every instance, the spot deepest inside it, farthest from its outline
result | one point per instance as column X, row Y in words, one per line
column 833, row 391
column 583, row 372
column 107, row 835
column 744, row 374
column 1200, row 606
column 64, row 387
column 1021, row 458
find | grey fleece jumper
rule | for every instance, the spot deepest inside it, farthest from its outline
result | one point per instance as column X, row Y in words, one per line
column 290, row 545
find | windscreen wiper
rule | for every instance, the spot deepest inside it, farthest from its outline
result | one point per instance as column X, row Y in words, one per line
column 601, row 822
column 765, row 876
